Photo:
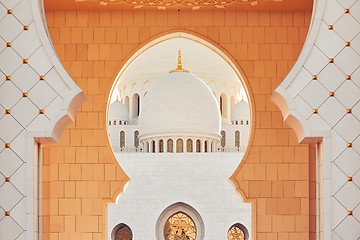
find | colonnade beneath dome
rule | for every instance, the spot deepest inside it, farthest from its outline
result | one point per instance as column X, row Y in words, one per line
column 179, row 145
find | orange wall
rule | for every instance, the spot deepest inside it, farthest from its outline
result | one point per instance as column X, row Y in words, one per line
column 80, row 174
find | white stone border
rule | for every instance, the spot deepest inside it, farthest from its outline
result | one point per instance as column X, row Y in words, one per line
column 282, row 96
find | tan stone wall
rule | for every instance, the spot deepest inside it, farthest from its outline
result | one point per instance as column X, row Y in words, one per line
column 80, row 174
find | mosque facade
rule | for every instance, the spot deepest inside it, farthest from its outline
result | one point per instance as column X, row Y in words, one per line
column 255, row 138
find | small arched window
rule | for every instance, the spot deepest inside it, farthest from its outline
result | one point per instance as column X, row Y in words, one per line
column 153, row 146
column 232, row 102
column 179, row 146
column 114, row 122
column 223, row 138
column 136, row 139
column 170, row 146
column 122, row 232
column 223, row 105
column 189, row 145
column 180, row 226
column 206, row 146
column 198, row 145
column 237, row 139
column 237, row 232
column 135, row 105
column 122, row 139
column 161, row 146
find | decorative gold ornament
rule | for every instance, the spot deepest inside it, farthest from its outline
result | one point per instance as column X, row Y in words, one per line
column 26, row 28
column 41, row 111
column 314, row 77
column 7, row 179
column 179, row 65
column 349, row 145
column 348, row 77
column 350, row 212
column 331, row 27
column 42, row 77
column 24, row 94
column 7, row 145
column 347, row 10
column 347, row 44
column 7, row 213
column 179, row 226
column 332, row 94
column 163, row 4
column 235, row 233
column 8, row 78
column 8, row 44
column 348, row 110
column 25, row 61
column 7, row 111
column 9, row 11
column 331, row 60
column 315, row 111
column 349, row 179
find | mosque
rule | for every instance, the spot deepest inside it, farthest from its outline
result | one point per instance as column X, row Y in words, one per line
column 179, row 120
column 168, row 131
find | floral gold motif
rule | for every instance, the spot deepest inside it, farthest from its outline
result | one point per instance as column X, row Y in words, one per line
column 163, row 4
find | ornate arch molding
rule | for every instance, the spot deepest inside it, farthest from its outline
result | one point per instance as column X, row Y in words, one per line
column 283, row 95
column 72, row 98
column 320, row 99
column 41, row 100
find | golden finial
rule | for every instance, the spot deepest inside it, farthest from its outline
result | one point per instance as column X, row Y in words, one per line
column 179, row 65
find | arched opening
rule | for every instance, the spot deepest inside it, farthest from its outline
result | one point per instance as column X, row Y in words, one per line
column 237, row 139
column 179, row 146
column 223, row 139
column 126, row 102
column 170, row 146
column 206, row 147
column 223, row 105
column 180, row 221
column 136, row 139
column 121, row 232
column 189, row 146
column 237, row 232
column 161, row 146
column 198, row 145
column 135, row 105
column 232, row 102
column 122, row 139
column 225, row 87
column 146, row 147
column 179, row 226
column 153, row 147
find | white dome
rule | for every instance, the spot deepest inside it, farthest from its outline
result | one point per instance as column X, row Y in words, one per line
column 179, row 104
column 240, row 111
column 118, row 112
